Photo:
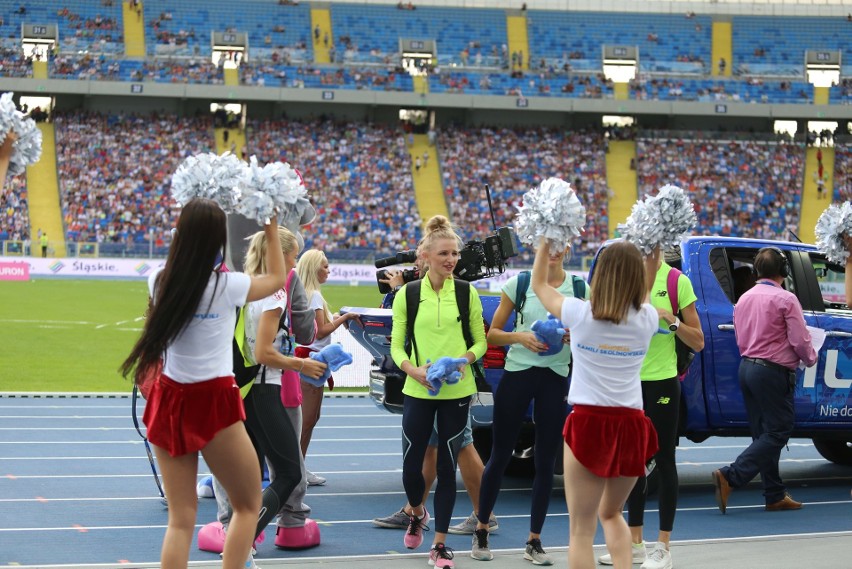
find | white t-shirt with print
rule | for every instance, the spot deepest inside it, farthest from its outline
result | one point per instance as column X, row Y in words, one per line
column 316, row 303
column 607, row 356
column 203, row 350
column 278, row 303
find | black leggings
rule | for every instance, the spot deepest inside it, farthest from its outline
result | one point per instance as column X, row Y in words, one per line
column 516, row 390
column 418, row 419
column 276, row 439
column 661, row 400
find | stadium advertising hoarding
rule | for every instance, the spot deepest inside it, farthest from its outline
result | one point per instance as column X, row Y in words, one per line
column 17, row 268
column 14, row 271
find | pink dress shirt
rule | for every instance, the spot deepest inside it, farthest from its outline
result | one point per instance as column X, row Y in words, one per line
column 770, row 325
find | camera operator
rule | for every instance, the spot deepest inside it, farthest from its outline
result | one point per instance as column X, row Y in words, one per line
column 396, row 278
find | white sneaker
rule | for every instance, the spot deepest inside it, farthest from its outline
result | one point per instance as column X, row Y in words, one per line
column 313, row 479
column 250, row 562
column 638, row 555
column 658, row 558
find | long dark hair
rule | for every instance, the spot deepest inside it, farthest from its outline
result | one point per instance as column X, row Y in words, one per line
column 200, row 239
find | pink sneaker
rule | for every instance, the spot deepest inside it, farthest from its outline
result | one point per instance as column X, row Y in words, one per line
column 441, row 556
column 416, row 526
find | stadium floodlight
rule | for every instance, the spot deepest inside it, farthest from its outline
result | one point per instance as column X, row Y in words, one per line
column 230, row 46
column 417, row 57
column 822, row 67
column 39, row 40
column 620, row 62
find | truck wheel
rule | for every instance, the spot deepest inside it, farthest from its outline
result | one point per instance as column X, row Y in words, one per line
column 836, row 451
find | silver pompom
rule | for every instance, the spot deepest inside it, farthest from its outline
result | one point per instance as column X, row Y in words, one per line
column 218, row 178
column 26, row 151
column 660, row 220
column 553, row 211
column 831, row 228
column 280, row 183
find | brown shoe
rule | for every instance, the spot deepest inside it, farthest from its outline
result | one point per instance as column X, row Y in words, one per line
column 723, row 490
column 788, row 503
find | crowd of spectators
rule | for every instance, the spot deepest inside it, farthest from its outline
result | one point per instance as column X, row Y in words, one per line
column 842, row 173
column 118, row 190
column 91, row 30
column 13, row 63
column 357, row 175
column 746, row 90
column 84, row 67
column 14, row 212
column 511, row 161
column 88, row 66
column 262, row 74
column 180, row 70
column 741, row 188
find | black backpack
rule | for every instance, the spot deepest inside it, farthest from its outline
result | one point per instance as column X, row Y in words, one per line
column 412, row 305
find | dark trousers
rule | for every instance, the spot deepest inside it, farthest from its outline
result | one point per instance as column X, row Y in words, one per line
column 418, row 420
column 275, row 437
column 514, row 394
column 768, row 394
column 661, row 401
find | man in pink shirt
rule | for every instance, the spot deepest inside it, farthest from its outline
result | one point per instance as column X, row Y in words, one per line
column 773, row 339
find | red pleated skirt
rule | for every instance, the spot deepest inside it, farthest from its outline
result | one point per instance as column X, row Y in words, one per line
column 183, row 417
column 611, row 441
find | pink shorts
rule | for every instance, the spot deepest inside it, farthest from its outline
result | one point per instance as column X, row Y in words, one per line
column 610, row 441
column 183, row 417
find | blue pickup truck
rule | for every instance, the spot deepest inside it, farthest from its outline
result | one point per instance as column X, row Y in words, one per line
column 712, row 405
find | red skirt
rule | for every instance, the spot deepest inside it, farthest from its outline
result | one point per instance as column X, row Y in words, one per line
column 183, row 417
column 611, row 441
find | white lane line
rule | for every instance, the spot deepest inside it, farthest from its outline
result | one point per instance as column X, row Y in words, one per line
column 318, row 427
column 139, row 441
column 127, row 415
column 313, row 455
column 698, row 446
column 148, row 475
column 16, row 321
column 513, row 516
column 131, row 442
column 43, row 499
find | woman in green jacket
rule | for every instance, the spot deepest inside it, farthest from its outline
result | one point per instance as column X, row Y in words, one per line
column 437, row 332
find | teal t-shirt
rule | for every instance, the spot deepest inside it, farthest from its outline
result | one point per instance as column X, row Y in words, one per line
column 520, row 358
column 661, row 360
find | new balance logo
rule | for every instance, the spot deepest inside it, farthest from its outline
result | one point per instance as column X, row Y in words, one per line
column 664, row 400
column 662, row 293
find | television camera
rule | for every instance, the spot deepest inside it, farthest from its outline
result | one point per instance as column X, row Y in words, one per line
column 478, row 259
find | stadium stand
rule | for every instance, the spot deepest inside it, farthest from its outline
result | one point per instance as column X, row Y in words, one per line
column 666, row 42
column 13, row 63
column 310, row 76
column 843, row 172
column 14, row 214
column 357, row 175
column 747, row 188
column 83, row 25
column 116, row 194
column 371, row 34
column 184, row 28
column 773, row 45
column 512, row 161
